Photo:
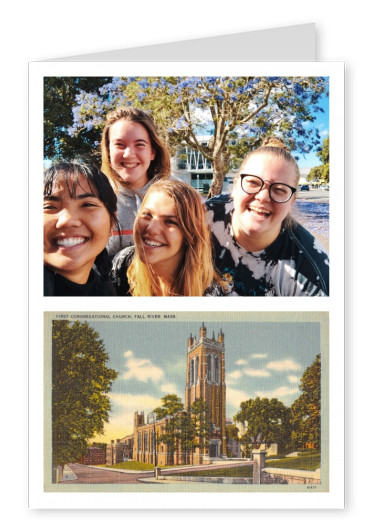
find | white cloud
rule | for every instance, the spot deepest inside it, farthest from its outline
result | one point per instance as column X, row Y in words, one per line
column 259, row 356
column 241, row 361
column 140, row 369
column 169, row 388
column 257, row 373
column 284, row 365
column 234, row 397
column 235, row 375
column 293, row 379
column 278, row 393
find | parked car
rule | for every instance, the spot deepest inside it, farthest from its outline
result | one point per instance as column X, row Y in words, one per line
column 304, row 188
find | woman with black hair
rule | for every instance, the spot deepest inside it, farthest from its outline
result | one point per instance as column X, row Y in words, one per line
column 79, row 215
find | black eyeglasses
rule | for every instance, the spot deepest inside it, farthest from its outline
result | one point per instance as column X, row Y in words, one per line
column 278, row 192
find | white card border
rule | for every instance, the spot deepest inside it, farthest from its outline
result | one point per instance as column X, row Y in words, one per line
column 333, row 304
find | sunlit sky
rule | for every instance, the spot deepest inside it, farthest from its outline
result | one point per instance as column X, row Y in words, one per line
column 265, row 359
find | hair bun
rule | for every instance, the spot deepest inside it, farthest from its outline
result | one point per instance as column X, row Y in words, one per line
column 273, row 141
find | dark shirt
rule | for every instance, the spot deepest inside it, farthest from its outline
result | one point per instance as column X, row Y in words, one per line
column 57, row 285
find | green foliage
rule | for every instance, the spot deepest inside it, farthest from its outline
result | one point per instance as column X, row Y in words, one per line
column 237, row 112
column 306, row 410
column 321, row 172
column 80, row 384
column 265, row 420
column 232, row 432
column 184, row 430
column 59, row 98
column 171, row 404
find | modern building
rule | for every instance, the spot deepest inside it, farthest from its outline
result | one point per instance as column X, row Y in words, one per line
column 205, row 380
column 189, row 165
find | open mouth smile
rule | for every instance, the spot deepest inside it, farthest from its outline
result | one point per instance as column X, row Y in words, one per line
column 69, row 242
column 259, row 211
column 152, row 243
column 130, row 165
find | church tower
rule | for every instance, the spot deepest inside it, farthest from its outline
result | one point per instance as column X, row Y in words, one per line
column 205, row 379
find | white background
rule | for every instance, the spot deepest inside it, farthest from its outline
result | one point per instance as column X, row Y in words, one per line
column 42, row 30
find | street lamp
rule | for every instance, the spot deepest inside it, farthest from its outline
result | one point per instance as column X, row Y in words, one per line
column 152, row 417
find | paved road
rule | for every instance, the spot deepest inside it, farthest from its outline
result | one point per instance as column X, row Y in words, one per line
column 86, row 474
column 316, row 196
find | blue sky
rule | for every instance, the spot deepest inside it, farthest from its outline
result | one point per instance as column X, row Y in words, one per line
column 261, row 359
column 311, row 160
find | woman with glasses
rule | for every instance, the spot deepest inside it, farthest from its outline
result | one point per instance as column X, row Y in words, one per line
column 259, row 248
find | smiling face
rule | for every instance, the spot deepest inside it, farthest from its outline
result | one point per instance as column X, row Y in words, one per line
column 257, row 220
column 76, row 230
column 131, row 152
column 158, row 236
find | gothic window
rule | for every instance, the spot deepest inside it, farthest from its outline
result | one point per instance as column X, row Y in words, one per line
column 145, row 442
column 139, row 441
column 209, row 371
column 191, row 372
column 196, row 369
column 216, row 370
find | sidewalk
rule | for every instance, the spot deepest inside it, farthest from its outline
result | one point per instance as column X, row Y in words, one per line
column 68, row 474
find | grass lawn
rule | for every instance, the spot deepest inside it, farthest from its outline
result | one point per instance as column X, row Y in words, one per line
column 132, row 465
column 301, row 462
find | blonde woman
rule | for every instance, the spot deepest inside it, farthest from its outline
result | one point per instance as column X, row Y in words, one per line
column 172, row 254
column 259, row 248
column 134, row 156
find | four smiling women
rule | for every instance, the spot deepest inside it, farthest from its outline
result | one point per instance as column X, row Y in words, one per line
column 161, row 230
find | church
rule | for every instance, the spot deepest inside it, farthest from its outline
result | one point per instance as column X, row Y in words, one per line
column 205, row 381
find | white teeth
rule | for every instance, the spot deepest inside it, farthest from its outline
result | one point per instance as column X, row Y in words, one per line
column 69, row 242
column 260, row 211
column 130, row 165
column 153, row 244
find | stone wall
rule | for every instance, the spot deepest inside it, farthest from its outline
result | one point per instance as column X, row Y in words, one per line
column 283, row 476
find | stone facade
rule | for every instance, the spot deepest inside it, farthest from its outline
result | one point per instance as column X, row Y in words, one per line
column 205, row 379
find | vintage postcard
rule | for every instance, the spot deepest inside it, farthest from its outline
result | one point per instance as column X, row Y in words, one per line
column 186, row 402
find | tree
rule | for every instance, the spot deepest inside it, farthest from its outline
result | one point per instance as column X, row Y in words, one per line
column 306, row 410
column 59, row 98
column 199, row 416
column 232, row 432
column 80, row 383
column 172, row 405
column 264, row 420
column 184, row 430
column 236, row 112
column 321, row 172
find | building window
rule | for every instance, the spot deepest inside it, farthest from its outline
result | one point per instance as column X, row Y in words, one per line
column 191, row 372
column 209, row 368
column 216, row 370
column 196, row 369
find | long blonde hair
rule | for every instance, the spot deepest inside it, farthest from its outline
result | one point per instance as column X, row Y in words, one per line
column 160, row 167
column 196, row 272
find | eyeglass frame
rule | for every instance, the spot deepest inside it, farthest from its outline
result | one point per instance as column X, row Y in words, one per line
column 242, row 175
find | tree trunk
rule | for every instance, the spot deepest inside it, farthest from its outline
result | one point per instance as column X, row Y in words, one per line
column 220, row 168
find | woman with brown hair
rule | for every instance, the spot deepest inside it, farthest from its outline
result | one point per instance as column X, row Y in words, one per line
column 133, row 157
column 172, row 255
column 259, row 248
